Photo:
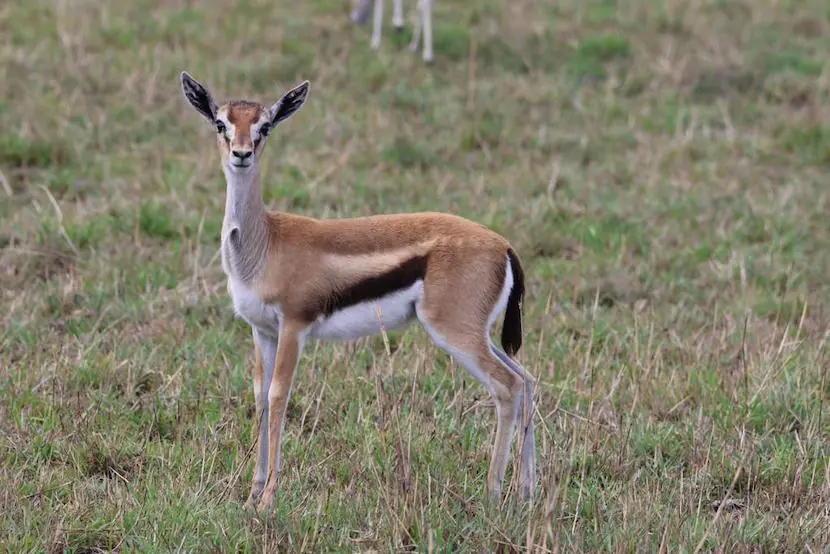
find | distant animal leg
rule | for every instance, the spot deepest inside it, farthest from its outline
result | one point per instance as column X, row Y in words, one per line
column 377, row 23
column 397, row 14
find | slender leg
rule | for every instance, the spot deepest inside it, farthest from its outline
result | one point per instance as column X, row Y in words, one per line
column 265, row 351
column 416, row 28
column 397, row 14
column 508, row 398
column 377, row 23
column 471, row 350
column 289, row 348
column 527, row 477
column 507, row 412
column 426, row 6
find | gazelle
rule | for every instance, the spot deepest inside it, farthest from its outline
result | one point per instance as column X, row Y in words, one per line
column 361, row 13
column 295, row 278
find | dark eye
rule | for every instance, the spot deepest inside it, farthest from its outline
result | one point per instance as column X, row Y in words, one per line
column 264, row 130
column 220, row 127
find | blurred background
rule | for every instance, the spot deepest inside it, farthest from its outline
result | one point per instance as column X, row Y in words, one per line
column 659, row 165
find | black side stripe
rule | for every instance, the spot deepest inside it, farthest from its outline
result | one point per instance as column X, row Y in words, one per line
column 377, row 286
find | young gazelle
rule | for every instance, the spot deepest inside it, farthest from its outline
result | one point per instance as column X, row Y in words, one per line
column 423, row 18
column 294, row 278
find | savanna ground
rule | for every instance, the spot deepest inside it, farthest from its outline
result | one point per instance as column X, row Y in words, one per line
column 660, row 166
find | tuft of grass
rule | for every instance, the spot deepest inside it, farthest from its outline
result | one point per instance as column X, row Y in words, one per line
column 810, row 143
column 589, row 59
column 155, row 220
column 18, row 152
column 792, row 61
column 408, row 154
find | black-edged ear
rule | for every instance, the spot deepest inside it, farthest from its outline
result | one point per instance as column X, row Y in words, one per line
column 290, row 102
column 198, row 96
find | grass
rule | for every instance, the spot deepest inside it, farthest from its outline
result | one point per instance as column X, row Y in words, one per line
column 659, row 165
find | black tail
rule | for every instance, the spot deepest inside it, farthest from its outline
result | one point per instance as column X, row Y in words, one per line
column 511, row 331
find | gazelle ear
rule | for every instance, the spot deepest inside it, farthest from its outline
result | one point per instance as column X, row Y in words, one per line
column 290, row 102
column 198, row 96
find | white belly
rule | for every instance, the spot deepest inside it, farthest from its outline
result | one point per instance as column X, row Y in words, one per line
column 249, row 307
column 369, row 318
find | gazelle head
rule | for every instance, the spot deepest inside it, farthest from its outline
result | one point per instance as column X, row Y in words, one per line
column 241, row 125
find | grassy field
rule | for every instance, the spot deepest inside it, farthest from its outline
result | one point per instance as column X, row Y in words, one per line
column 661, row 167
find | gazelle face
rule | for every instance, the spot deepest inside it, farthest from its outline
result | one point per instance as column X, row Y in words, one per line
column 242, row 126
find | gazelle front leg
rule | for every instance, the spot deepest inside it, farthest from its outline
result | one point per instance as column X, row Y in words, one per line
column 265, row 353
column 423, row 21
column 416, row 28
column 377, row 23
column 426, row 9
column 290, row 346
column 397, row 14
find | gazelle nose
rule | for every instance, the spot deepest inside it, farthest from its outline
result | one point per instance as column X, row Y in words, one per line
column 243, row 155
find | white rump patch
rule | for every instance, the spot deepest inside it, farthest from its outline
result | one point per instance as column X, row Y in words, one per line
column 501, row 304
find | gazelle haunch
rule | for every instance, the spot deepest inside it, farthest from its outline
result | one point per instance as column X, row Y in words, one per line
column 295, row 278
column 423, row 18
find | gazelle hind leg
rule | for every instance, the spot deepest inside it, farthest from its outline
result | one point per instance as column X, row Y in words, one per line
column 472, row 352
column 527, row 477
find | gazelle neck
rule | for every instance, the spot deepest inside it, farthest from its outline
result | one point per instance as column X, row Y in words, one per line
column 244, row 231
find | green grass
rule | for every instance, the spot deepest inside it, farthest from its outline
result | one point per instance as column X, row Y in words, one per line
column 660, row 166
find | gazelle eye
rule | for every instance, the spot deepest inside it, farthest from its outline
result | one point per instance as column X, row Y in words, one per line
column 264, row 130
column 220, row 127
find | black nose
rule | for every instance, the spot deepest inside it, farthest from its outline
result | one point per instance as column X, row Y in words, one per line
column 243, row 155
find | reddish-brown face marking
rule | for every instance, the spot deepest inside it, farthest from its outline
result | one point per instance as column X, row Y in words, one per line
column 242, row 116
column 240, row 140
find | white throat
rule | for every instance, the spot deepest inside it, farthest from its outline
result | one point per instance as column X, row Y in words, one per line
column 244, row 233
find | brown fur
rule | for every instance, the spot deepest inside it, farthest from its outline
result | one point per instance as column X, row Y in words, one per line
column 309, row 258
